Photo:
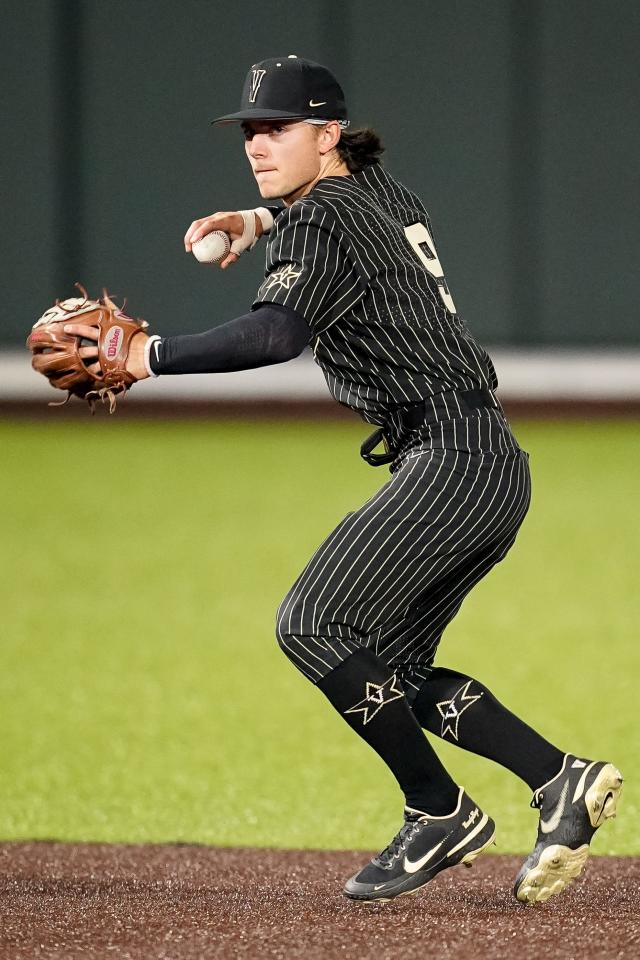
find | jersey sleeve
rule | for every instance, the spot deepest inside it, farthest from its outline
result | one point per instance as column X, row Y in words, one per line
column 308, row 269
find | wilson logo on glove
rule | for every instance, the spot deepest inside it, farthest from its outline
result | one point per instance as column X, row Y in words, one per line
column 113, row 342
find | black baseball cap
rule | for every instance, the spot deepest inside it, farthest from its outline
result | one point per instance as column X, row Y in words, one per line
column 289, row 88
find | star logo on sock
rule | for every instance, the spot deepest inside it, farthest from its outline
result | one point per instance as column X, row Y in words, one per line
column 377, row 696
column 452, row 710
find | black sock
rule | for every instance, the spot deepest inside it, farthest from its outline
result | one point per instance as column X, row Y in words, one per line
column 369, row 697
column 461, row 710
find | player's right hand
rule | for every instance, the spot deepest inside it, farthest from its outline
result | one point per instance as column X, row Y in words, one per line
column 229, row 222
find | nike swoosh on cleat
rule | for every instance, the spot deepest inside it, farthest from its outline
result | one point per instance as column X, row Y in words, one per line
column 548, row 826
column 412, row 866
column 604, row 804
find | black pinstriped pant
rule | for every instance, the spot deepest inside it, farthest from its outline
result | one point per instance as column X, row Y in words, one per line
column 394, row 573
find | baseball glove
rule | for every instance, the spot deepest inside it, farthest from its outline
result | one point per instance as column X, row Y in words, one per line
column 60, row 358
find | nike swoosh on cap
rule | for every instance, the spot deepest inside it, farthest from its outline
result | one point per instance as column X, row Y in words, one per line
column 321, row 103
column 547, row 826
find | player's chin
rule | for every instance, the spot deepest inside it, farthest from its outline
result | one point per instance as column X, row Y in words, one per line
column 268, row 192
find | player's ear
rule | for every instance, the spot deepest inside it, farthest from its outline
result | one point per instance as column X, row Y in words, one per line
column 329, row 136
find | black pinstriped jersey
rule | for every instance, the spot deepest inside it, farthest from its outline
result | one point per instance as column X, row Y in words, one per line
column 356, row 257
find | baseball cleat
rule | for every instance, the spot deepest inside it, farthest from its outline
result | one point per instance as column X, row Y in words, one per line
column 572, row 806
column 423, row 847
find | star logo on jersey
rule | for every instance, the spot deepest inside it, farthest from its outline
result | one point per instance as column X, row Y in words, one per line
column 377, row 696
column 452, row 710
column 285, row 277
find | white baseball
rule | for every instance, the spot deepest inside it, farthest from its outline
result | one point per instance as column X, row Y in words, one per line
column 212, row 248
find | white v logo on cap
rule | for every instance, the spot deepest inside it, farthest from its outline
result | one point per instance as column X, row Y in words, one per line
column 256, row 80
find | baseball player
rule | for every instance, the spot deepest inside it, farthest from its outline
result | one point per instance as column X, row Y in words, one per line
column 352, row 269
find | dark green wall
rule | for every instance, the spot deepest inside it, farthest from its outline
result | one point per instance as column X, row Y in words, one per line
column 516, row 122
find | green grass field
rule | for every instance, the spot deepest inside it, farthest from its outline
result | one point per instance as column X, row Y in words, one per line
column 144, row 698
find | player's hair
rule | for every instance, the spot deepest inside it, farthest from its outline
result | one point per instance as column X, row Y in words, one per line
column 360, row 148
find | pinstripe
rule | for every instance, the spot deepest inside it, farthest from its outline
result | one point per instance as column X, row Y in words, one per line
column 435, row 619
column 410, row 508
column 392, row 574
column 399, row 343
column 407, row 582
column 436, row 614
column 425, row 630
column 347, row 581
column 477, row 542
column 452, row 599
column 369, row 513
column 438, row 563
column 456, row 533
column 396, row 588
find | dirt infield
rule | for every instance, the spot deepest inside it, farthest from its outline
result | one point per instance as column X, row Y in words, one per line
column 173, row 902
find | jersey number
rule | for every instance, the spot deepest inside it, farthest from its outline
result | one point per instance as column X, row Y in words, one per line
column 425, row 250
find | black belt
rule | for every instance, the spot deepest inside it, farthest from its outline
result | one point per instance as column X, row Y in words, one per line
column 418, row 414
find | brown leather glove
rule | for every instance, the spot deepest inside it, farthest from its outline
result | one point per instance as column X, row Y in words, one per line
column 58, row 356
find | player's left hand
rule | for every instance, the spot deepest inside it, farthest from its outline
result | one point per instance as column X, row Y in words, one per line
column 90, row 348
column 135, row 360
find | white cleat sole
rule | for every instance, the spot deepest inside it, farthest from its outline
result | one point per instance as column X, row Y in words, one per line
column 603, row 795
column 555, row 870
column 559, row 865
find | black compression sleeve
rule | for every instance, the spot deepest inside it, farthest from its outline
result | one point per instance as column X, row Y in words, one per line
column 269, row 334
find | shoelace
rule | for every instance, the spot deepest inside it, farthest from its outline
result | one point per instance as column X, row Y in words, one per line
column 397, row 845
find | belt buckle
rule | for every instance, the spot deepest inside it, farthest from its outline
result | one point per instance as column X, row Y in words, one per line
column 369, row 445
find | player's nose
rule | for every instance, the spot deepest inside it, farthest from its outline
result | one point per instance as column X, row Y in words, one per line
column 257, row 146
